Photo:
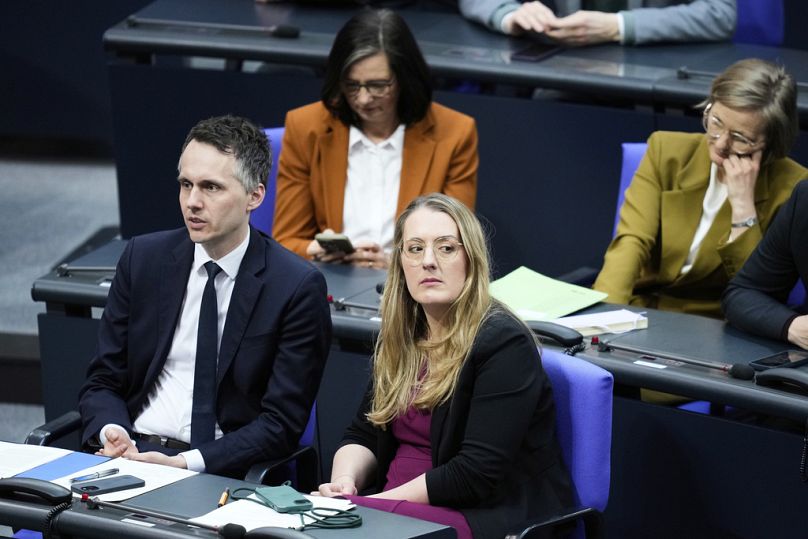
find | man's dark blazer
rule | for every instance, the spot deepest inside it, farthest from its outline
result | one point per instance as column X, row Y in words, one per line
column 271, row 358
column 495, row 455
column 755, row 300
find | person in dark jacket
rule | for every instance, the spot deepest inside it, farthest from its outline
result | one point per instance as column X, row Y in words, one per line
column 458, row 424
column 755, row 300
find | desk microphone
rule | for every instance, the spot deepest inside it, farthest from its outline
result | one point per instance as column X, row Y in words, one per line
column 740, row 371
column 228, row 531
column 684, row 73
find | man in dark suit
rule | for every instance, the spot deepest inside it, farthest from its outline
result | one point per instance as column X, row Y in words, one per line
column 214, row 337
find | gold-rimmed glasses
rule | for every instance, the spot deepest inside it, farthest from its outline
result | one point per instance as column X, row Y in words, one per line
column 716, row 129
column 445, row 249
column 374, row 88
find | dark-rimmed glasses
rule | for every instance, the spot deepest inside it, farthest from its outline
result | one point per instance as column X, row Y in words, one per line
column 375, row 88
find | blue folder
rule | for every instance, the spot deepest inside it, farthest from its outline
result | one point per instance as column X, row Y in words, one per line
column 70, row 463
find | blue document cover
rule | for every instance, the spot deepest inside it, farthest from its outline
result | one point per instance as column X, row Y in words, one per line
column 62, row 466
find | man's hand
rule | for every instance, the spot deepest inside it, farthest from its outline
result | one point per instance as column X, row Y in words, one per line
column 529, row 17
column 155, row 457
column 798, row 331
column 118, row 443
column 585, row 28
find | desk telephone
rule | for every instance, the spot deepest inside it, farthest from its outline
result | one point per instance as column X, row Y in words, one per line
column 787, row 377
column 26, row 488
column 561, row 334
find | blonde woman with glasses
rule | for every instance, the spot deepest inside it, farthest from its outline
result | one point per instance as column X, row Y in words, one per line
column 700, row 203
column 354, row 160
column 458, row 425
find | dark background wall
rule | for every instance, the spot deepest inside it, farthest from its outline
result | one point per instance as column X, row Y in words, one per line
column 54, row 78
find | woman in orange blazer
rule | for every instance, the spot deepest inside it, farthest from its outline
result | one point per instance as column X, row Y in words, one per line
column 353, row 161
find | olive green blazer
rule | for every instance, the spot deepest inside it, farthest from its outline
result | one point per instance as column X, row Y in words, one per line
column 658, row 220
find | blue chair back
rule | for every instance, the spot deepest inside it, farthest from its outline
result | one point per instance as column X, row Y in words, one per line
column 262, row 217
column 583, row 397
column 760, row 22
column 796, row 298
column 632, row 155
column 307, row 438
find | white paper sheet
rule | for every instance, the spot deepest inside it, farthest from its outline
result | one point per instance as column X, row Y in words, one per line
column 17, row 458
column 155, row 476
column 252, row 515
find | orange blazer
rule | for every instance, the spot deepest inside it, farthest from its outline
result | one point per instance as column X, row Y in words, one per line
column 440, row 155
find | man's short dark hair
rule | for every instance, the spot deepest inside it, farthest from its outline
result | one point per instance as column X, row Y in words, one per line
column 364, row 35
column 244, row 140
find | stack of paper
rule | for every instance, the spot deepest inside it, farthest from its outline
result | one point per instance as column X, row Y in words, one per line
column 534, row 296
column 618, row 321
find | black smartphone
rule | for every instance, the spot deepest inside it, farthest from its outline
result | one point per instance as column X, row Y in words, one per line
column 107, row 484
column 334, row 243
column 786, row 358
column 535, row 52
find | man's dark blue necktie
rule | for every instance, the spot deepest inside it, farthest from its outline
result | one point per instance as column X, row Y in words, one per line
column 203, row 415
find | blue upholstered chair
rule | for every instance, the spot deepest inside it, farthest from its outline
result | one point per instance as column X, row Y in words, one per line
column 263, row 216
column 633, row 153
column 760, row 22
column 301, row 467
column 583, row 398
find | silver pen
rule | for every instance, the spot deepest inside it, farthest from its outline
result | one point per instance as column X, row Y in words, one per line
column 95, row 475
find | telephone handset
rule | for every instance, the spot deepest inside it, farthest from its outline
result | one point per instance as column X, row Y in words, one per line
column 561, row 334
column 49, row 492
column 788, row 377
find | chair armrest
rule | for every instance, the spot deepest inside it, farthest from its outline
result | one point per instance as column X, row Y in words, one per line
column 55, row 429
column 306, row 457
column 534, row 528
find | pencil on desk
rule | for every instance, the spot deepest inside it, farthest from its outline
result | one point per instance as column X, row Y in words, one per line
column 224, row 497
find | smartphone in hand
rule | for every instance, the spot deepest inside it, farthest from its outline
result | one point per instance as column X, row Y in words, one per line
column 333, row 242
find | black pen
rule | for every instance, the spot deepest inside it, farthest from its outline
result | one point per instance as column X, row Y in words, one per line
column 95, row 475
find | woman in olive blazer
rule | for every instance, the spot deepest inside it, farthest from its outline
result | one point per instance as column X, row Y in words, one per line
column 659, row 218
column 751, row 122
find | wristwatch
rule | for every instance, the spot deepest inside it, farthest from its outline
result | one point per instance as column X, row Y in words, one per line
column 752, row 221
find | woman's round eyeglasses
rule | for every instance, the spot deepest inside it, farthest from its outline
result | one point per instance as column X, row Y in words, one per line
column 716, row 129
column 444, row 249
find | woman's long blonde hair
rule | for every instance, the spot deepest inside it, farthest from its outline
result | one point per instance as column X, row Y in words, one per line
column 403, row 344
